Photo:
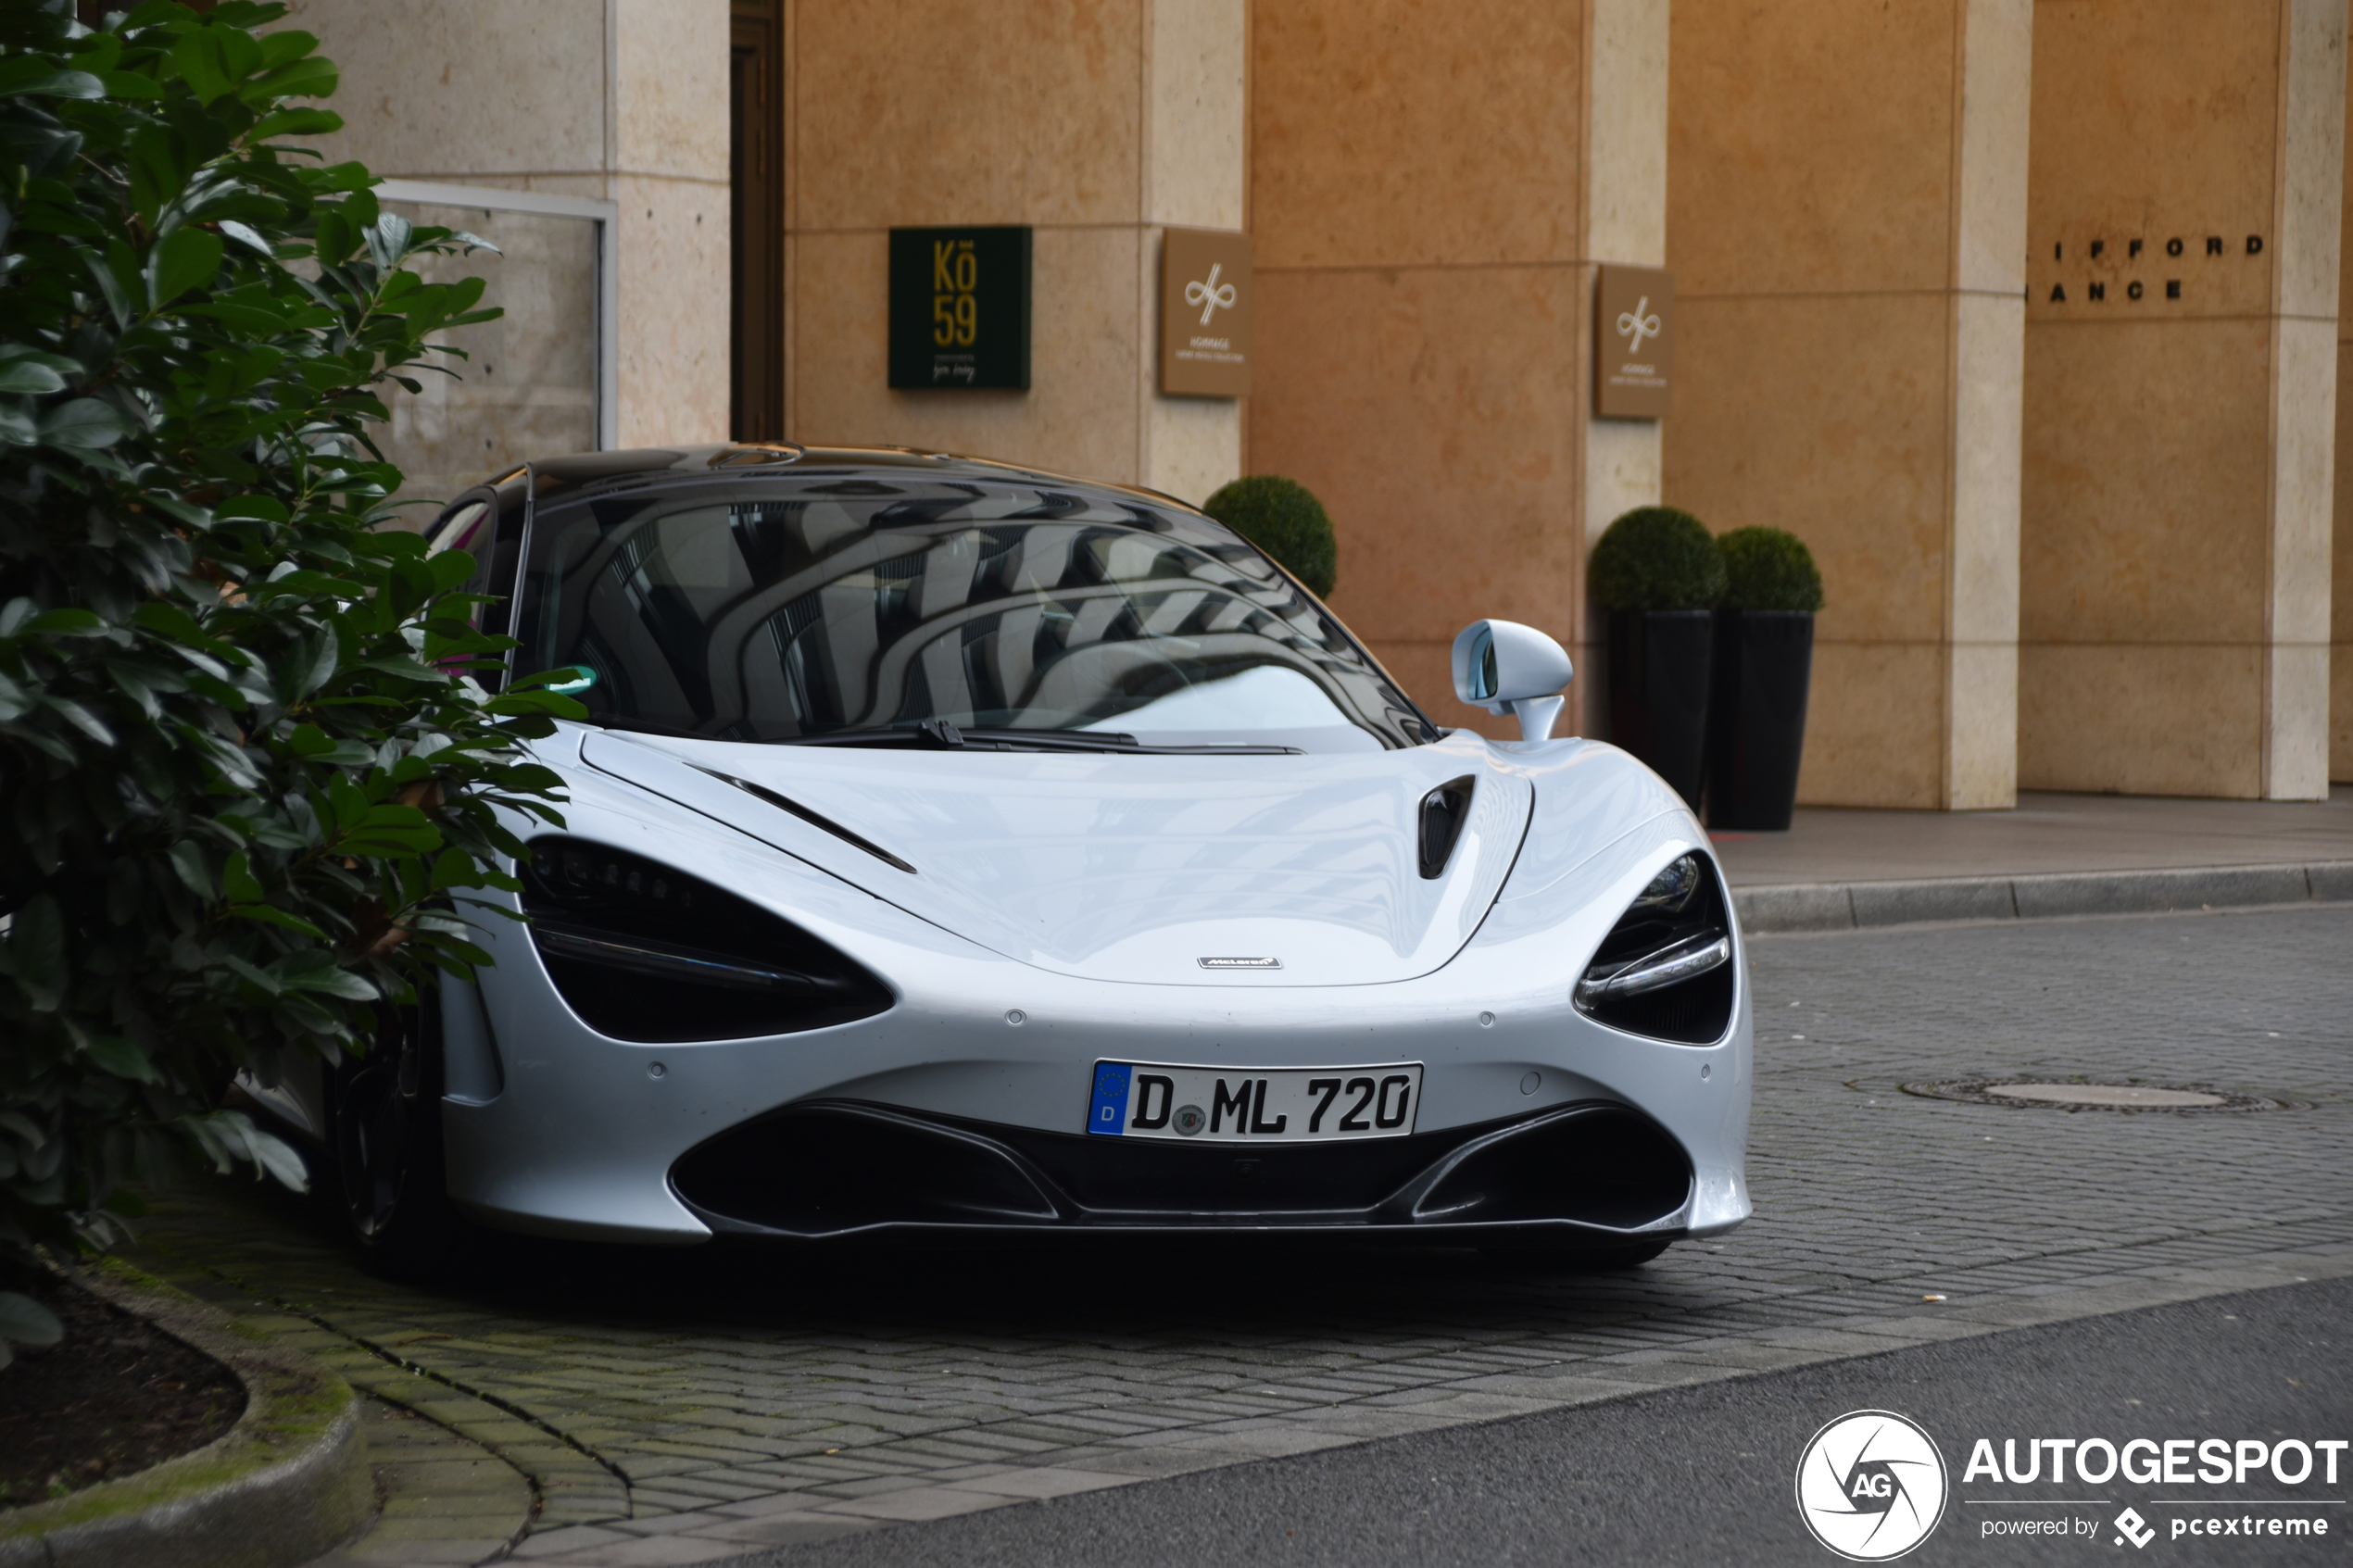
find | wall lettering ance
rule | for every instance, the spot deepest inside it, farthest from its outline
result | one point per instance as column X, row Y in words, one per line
column 2194, row 251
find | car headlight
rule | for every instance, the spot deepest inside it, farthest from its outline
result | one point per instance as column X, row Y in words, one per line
column 642, row 951
column 1666, row 969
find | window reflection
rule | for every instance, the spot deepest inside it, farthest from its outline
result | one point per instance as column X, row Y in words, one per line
column 780, row 611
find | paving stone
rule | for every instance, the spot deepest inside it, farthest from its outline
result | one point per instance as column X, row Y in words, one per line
column 715, row 1384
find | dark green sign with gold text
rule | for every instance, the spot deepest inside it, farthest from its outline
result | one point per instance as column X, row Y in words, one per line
column 958, row 308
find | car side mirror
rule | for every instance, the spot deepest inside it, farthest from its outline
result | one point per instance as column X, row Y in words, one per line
column 1507, row 668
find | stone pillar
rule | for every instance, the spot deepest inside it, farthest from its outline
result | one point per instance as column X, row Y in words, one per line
column 1430, row 186
column 2185, row 233
column 620, row 99
column 1624, row 223
column 2341, row 562
column 1097, row 125
column 1847, row 216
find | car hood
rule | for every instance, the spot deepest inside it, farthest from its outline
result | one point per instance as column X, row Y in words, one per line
column 1129, row 868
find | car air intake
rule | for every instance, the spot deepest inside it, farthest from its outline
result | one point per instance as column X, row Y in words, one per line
column 1443, row 811
column 642, row 951
column 1666, row 969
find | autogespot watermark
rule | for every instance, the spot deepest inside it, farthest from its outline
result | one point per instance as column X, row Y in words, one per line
column 1872, row 1486
column 2246, row 1465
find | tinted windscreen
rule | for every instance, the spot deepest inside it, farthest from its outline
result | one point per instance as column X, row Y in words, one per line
column 808, row 608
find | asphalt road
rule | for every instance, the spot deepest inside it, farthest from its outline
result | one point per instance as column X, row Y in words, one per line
column 1704, row 1475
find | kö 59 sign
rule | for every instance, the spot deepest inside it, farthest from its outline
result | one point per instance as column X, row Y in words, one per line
column 959, row 309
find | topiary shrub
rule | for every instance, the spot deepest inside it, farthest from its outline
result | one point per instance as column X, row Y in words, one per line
column 1768, row 568
column 1283, row 518
column 246, row 778
column 1658, row 557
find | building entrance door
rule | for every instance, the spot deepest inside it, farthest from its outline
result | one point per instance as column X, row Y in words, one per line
column 757, row 237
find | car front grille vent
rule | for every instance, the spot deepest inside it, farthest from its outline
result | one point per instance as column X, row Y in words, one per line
column 814, row 819
column 1666, row 969
column 642, row 951
column 1444, row 812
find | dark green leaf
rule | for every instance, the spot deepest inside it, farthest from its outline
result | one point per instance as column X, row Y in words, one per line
column 85, row 423
column 27, row 376
column 119, row 1057
column 33, row 78
column 36, row 952
column 184, row 259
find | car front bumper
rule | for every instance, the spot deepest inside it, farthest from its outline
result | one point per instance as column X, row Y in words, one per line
column 985, row 1065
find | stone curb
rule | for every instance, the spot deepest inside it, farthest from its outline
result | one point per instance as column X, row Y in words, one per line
column 1858, row 906
column 289, row 1481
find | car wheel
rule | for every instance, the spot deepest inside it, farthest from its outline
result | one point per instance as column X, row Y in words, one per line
column 1584, row 1258
column 387, row 1140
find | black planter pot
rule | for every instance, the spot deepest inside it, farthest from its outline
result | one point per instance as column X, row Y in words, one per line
column 1659, row 671
column 1756, row 717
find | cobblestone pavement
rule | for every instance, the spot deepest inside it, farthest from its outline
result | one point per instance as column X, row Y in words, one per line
column 672, row 1407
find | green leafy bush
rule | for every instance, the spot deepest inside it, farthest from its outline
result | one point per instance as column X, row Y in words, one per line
column 1282, row 518
column 1658, row 557
column 245, row 779
column 1768, row 568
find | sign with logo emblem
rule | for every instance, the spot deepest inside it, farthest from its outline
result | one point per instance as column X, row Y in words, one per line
column 960, row 309
column 1204, row 313
column 1634, row 343
column 1872, row 1486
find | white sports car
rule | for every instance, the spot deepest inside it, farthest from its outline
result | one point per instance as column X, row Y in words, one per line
column 954, row 847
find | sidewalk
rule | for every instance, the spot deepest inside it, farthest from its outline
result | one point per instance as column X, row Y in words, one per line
column 2055, row 854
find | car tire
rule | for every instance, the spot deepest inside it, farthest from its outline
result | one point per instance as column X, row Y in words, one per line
column 385, row 1148
column 1579, row 1257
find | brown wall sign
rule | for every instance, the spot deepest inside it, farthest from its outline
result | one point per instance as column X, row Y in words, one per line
column 1204, row 313
column 1634, row 343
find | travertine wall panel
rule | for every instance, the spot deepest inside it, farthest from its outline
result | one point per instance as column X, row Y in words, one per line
column 1386, row 392
column 673, row 309
column 2340, row 675
column 670, row 90
column 1811, row 146
column 1825, row 416
column 436, row 91
column 1019, row 111
column 2147, row 480
column 2088, row 713
column 1393, row 133
column 2185, row 229
column 2340, row 576
column 1870, row 739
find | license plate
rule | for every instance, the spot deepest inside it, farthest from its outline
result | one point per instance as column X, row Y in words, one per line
column 1146, row 1099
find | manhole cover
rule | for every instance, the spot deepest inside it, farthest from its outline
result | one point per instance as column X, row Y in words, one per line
column 2059, row 1095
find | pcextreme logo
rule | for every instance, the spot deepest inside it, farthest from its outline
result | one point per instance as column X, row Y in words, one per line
column 1872, row 1486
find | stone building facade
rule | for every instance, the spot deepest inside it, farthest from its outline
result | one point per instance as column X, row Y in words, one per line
column 2024, row 314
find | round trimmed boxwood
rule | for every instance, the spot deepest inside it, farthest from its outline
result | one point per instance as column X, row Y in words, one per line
column 1768, row 568
column 1658, row 557
column 1283, row 518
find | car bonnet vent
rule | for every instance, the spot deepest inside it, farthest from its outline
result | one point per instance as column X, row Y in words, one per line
column 1666, row 969
column 642, row 951
column 1444, row 812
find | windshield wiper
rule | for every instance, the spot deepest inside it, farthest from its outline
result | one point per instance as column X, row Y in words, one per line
column 939, row 734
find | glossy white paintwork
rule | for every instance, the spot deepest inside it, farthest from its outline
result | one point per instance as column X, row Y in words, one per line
column 1078, row 892
column 1133, row 868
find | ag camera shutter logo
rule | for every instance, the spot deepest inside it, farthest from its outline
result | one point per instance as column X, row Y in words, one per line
column 1872, row 1486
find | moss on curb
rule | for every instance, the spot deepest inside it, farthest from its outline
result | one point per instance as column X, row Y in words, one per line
column 289, row 1481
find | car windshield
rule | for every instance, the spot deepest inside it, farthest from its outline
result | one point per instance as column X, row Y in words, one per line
column 815, row 609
